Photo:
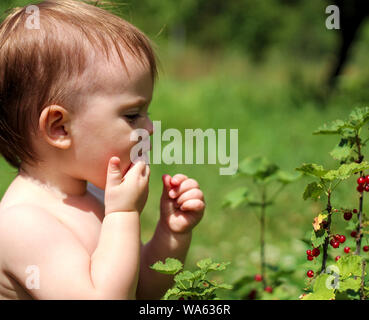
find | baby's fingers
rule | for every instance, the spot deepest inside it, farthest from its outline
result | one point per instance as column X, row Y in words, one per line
column 193, row 205
column 191, row 194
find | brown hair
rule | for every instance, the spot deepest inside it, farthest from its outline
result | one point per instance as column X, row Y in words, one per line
column 40, row 67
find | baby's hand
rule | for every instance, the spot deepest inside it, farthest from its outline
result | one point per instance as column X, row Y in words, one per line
column 182, row 203
column 129, row 193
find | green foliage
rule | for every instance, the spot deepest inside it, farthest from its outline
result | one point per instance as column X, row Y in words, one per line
column 340, row 281
column 192, row 285
column 318, row 237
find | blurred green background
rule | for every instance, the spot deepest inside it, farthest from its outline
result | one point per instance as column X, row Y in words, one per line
column 261, row 67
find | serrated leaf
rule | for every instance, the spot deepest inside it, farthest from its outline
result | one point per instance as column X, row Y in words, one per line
column 204, row 263
column 318, row 237
column 225, row 286
column 171, row 266
column 235, row 198
column 216, row 266
column 342, row 151
column 313, row 191
column 320, row 290
column 350, row 284
column 349, row 266
column 185, row 276
column 312, row 169
column 171, row 292
column 334, row 127
column 358, row 117
column 346, row 170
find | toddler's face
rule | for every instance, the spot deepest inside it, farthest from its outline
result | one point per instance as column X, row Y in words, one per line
column 109, row 115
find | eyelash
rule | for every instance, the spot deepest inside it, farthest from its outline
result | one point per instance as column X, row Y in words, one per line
column 134, row 117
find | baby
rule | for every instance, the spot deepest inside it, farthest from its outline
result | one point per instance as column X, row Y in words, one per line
column 71, row 93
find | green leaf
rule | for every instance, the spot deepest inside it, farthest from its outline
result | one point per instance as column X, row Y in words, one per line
column 350, row 284
column 257, row 167
column 358, row 117
column 287, row 177
column 185, row 276
column 342, row 151
column 171, row 266
column 351, row 225
column 349, row 266
column 236, row 197
column 320, row 290
column 318, row 237
column 312, row 169
column 171, row 292
column 334, row 127
column 345, row 171
column 224, row 286
column 313, row 191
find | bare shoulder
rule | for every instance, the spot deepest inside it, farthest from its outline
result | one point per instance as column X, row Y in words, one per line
column 27, row 231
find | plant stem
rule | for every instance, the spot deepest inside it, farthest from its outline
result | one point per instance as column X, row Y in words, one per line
column 360, row 218
column 326, row 242
column 262, row 236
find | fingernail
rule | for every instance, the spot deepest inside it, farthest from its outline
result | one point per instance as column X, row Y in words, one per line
column 172, row 193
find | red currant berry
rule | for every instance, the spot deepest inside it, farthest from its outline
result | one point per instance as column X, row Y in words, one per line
column 360, row 188
column 316, row 252
column 337, row 258
column 308, row 252
column 268, row 289
column 310, row 273
column 335, row 244
column 258, row 277
column 347, row 249
column 360, row 180
column 367, row 179
column 354, row 211
column 347, row 215
column 336, row 237
column 366, row 248
column 342, row 239
column 310, row 258
column 366, row 188
column 353, row 234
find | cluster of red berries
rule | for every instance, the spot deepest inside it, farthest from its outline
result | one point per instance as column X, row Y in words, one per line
column 311, row 254
column 259, row 278
column 336, row 240
column 363, row 184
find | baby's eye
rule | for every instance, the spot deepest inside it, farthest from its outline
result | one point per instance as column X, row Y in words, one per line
column 133, row 117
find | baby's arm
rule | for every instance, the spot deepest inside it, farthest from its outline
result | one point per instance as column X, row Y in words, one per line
column 181, row 209
column 31, row 236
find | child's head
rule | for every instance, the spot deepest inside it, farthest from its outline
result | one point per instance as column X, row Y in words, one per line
column 72, row 91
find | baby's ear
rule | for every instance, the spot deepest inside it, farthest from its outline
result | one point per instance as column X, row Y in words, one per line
column 54, row 125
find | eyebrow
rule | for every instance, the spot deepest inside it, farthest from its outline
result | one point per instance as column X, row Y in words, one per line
column 139, row 103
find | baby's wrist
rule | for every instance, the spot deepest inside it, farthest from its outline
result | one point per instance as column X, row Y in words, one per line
column 166, row 230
